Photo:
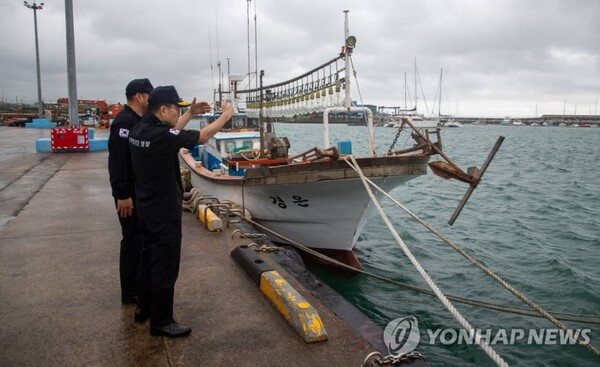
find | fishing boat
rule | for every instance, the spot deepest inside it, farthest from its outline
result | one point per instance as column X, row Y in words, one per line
column 315, row 198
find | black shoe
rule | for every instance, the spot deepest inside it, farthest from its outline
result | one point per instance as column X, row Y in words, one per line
column 173, row 330
column 140, row 316
column 129, row 300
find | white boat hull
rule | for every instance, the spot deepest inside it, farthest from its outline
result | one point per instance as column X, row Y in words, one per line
column 322, row 210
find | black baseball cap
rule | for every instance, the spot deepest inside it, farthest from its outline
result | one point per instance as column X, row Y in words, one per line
column 164, row 95
column 138, row 86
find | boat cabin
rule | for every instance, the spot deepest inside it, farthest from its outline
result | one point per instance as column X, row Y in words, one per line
column 235, row 139
column 223, row 146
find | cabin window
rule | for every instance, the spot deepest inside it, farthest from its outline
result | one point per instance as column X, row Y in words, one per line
column 248, row 144
column 229, row 146
column 238, row 122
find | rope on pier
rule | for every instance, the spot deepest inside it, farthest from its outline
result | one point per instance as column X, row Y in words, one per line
column 455, row 313
column 191, row 203
column 497, row 278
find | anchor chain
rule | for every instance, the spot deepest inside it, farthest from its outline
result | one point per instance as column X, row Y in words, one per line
column 389, row 152
column 249, row 235
column 376, row 359
column 265, row 248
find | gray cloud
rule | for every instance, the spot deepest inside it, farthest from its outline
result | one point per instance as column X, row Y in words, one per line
column 499, row 57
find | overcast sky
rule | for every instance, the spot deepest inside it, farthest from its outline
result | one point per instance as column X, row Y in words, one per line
column 500, row 57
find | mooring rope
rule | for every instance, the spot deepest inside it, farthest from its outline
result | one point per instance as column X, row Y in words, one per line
column 455, row 313
column 584, row 319
column 497, row 278
column 191, row 203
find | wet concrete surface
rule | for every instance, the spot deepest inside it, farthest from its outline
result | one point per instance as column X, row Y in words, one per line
column 59, row 284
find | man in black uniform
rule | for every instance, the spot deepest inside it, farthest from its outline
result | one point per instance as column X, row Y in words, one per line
column 154, row 145
column 122, row 182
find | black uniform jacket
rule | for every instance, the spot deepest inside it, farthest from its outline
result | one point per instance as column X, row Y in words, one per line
column 120, row 170
column 154, row 150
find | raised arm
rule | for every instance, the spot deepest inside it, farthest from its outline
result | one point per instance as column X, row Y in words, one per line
column 195, row 109
column 207, row 132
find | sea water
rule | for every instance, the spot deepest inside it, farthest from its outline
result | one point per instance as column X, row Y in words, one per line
column 534, row 220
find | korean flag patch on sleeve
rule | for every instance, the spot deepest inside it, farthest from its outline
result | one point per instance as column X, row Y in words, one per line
column 124, row 133
column 174, row 132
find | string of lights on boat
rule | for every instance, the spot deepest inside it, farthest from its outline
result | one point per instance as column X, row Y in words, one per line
column 311, row 92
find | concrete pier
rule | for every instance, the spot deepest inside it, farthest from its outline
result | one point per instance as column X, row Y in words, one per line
column 59, row 283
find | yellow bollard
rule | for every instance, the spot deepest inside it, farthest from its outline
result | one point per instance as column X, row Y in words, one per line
column 210, row 220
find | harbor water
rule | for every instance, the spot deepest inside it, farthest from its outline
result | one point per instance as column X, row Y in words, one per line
column 534, row 220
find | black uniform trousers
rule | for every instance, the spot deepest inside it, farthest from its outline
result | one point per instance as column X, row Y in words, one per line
column 129, row 257
column 159, row 269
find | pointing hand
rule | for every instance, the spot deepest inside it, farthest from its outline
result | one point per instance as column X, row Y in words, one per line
column 199, row 107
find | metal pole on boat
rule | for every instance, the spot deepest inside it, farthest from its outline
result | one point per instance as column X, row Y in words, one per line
column 255, row 48
column 261, row 114
column 347, row 51
column 35, row 8
column 248, row 34
column 71, row 68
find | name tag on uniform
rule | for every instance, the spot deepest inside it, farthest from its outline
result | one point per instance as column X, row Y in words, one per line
column 174, row 132
column 124, row 133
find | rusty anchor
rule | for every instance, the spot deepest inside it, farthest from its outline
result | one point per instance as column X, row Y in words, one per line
column 450, row 170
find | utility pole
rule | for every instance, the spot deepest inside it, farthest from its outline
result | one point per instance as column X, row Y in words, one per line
column 71, row 67
column 35, row 8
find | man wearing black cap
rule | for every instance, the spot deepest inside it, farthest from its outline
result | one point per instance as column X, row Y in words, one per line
column 122, row 182
column 154, row 145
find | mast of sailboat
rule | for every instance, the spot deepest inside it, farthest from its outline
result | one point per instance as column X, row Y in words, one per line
column 405, row 88
column 416, row 93
column 440, row 99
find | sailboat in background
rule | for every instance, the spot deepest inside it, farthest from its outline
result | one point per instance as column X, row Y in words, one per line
column 445, row 120
column 418, row 120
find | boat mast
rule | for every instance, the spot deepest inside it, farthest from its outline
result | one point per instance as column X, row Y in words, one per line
column 416, row 93
column 440, row 99
column 347, row 99
column 220, row 82
column 261, row 114
column 252, row 74
column 349, row 44
column 255, row 49
column 405, row 88
column 248, row 33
